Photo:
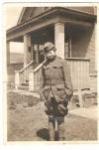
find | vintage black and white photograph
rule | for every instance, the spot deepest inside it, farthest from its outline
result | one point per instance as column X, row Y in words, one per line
column 51, row 73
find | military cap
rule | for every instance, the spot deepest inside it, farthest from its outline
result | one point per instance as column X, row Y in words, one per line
column 48, row 46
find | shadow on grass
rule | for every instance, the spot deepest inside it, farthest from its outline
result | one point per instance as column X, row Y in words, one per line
column 43, row 133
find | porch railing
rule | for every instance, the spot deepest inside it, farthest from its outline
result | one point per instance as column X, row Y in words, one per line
column 79, row 70
column 22, row 76
column 36, row 78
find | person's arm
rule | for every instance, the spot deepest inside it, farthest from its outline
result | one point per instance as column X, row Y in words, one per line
column 42, row 74
column 67, row 79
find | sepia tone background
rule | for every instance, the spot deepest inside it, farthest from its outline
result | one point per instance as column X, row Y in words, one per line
column 73, row 32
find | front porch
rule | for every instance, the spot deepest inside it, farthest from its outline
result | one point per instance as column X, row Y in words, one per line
column 71, row 42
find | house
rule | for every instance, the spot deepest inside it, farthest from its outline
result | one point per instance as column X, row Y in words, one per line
column 71, row 29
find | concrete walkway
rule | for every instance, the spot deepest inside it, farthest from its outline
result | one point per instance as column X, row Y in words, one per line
column 91, row 112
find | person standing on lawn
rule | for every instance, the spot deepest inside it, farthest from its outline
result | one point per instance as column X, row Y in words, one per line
column 57, row 90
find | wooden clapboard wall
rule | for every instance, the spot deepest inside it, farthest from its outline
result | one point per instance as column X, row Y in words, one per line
column 79, row 70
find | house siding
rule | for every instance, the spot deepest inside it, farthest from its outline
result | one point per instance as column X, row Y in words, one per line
column 91, row 50
column 92, row 67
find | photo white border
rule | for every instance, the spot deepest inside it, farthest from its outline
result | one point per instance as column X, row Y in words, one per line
column 4, row 107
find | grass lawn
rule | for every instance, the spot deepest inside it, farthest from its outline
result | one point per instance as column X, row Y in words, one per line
column 29, row 123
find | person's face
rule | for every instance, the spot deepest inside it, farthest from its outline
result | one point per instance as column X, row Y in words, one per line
column 50, row 55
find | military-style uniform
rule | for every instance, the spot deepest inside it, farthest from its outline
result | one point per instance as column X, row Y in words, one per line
column 57, row 90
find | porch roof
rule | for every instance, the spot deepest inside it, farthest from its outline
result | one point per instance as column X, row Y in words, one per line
column 49, row 17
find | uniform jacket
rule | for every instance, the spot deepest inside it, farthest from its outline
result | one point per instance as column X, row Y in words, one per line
column 56, row 80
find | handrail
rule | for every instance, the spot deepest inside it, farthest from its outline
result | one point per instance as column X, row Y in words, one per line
column 20, row 71
column 39, row 66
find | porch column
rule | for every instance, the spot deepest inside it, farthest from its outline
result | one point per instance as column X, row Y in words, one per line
column 27, row 49
column 60, row 39
column 37, row 54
